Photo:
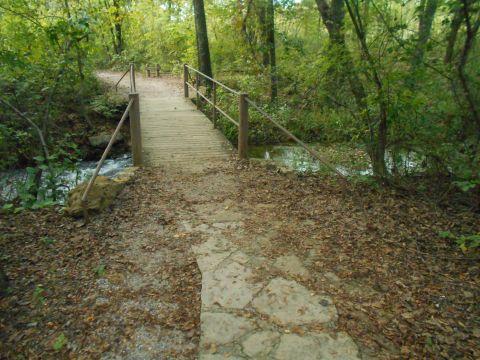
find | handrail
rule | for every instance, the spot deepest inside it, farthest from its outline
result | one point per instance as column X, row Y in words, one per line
column 211, row 103
column 131, row 70
column 312, row 152
column 242, row 125
column 118, row 82
column 102, row 160
column 213, row 80
column 133, row 87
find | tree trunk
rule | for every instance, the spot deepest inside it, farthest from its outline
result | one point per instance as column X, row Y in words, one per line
column 452, row 36
column 378, row 136
column 270, row 20
column 429, row 7
column 333, row 16
column 472, row 29
column 203, row 50
column 118, row 38
column 264, row 49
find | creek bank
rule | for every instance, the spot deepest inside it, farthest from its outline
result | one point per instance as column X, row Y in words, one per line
column 102, row 194
column 65, row 180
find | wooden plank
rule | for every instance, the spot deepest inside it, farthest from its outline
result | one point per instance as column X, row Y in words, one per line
column 175, row 133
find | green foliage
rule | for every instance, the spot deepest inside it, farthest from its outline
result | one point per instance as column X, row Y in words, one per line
column 464, row 242
column 39, row 295
column 100, row 270
column 47, row 241
column 48, row 59
column 468, row 185
column 43, row 186
column 59, row 342
column 107, row 105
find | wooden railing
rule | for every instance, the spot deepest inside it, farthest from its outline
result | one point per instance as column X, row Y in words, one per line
column 155, row 71
column 133, row 112
column 243, row 113
column 131, row 70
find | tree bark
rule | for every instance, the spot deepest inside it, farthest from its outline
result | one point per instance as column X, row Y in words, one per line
column 378, row 137
column 118, row 37
column 472, row 29
column 333, row 17
column 428, row 10
column 203, row 50
column 270, row 20
column 452, row 36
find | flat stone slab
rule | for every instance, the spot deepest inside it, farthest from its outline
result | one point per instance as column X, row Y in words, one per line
column 211, row 253
column 260, row 344
column 222, row 328
column 318, row 347
column 291, row 265
column 219, row 357
column 289, row 303
column 229, row 286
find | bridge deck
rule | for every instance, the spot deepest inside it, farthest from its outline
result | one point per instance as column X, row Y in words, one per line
column 174, row 132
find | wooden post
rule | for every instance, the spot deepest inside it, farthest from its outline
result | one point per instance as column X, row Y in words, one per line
column 243, row 127
column 214, row 117
column 135, row 134
column 148, row 72
column 158, row 70
column 197, row 79
column 185, row 80
column 132, row 76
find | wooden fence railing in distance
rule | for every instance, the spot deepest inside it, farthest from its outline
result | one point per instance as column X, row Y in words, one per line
column 133, row 112
column 242, row 124
column 156, row 71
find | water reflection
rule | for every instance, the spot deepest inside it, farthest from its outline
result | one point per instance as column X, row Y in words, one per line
column 348, row 160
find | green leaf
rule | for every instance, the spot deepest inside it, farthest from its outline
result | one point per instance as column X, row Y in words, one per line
column 59, row 342
column 465, row 186
column 446, row 235
column 100, row 270
column 7, row 207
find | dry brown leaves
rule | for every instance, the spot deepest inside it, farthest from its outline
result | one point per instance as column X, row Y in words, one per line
column 402, row 292
column 54, row 266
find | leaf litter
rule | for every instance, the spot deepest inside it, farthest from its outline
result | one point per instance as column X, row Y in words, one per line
column 128, row 283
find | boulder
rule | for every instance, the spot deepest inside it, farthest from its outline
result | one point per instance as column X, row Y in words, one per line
column 101, row 140
column 102, row 194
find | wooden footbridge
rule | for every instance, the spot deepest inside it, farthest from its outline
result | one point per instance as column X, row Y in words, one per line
column 167, row 129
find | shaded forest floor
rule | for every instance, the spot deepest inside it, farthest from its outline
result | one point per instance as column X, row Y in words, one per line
column 128, row 283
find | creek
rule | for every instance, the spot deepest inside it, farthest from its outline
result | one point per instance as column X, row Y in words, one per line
column 348, row 160
column 67, row 180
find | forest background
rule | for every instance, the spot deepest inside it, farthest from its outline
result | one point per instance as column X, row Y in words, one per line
column 390, row 77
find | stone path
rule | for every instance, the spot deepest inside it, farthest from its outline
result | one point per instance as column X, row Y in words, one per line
column 248, row 314
column 252, row 306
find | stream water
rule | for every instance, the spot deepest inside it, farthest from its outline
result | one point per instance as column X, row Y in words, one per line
column 348, row 160
column 9, row 181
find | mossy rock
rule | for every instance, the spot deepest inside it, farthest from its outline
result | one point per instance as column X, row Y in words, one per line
column 101, row 196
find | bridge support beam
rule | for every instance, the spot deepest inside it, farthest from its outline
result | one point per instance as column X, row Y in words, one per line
column 135, row 134
column 243, row 127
